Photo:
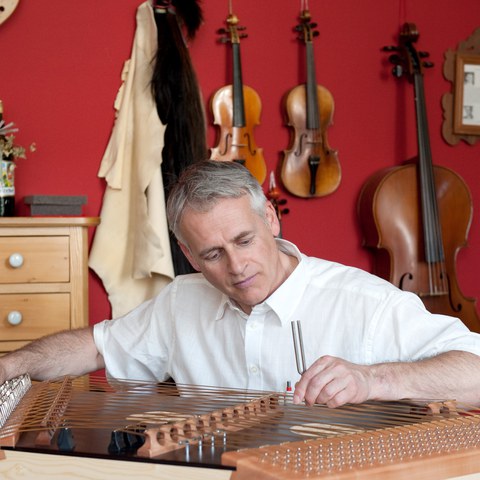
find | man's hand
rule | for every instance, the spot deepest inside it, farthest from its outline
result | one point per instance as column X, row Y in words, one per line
column 334, row 382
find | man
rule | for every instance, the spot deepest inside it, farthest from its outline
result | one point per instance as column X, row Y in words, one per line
column 230, row 325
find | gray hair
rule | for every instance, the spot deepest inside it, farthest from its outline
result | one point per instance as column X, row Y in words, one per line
column 202, row 184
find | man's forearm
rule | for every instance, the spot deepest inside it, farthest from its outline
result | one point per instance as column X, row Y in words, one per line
column 452, row 375
column 72, row 352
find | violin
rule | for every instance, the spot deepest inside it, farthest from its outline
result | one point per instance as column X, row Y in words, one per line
column 236, row 109
column 310, row 168
column 416, row 217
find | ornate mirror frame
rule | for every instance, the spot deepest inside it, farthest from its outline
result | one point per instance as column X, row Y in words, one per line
column 461, row 106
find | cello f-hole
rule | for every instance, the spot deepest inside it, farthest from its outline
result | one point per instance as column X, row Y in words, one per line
column 456, row 308
column 407, row 276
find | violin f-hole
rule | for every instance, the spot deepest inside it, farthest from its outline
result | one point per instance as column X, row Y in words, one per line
column 227, row 137
column 299, row 151
column 251, row 151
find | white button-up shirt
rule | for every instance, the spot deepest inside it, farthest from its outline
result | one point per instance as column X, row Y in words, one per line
column 197, row 335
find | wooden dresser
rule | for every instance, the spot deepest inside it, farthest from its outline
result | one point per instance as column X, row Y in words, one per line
column 43, row 277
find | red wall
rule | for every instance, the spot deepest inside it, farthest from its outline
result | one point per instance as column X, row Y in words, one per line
column 60, row 72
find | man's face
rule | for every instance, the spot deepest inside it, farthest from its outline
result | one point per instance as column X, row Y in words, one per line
column 235, row 249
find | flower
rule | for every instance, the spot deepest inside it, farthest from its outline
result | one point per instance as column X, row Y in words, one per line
column 8, row 149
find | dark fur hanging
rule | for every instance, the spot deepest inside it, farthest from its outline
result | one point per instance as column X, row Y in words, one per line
column 177, row 95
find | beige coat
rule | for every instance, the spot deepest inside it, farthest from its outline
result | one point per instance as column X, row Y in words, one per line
column 131, row 248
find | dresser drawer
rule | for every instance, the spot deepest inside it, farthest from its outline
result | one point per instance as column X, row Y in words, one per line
column 41, row 314
column 45, row 259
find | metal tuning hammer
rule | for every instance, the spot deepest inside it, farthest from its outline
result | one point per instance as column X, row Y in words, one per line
column 298, row 346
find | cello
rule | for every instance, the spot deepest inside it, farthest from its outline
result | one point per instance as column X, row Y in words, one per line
column 416, row 217
column 236, row 109
column 310, row 168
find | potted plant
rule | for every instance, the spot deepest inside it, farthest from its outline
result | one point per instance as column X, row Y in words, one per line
column 10, row 152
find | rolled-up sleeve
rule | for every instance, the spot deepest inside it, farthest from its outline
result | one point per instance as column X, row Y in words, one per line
column 136, row 346
column 409, row 332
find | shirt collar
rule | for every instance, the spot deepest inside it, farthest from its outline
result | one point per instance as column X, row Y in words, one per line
column 285, row 299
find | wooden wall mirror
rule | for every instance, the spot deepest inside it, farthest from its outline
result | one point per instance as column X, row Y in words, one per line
column 461, row 106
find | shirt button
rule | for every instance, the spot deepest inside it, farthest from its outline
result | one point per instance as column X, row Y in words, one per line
column 252, row 326
column 253, row 369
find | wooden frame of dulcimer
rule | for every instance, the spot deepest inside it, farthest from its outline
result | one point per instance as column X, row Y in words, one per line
column 248, row 434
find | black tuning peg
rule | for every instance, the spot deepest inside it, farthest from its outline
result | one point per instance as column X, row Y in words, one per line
column 390, row 48
column 395, row 59
column 423, row 54
column 428, row 64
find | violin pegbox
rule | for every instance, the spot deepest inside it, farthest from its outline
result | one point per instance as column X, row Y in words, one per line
column 234, row 32
column 307, row 30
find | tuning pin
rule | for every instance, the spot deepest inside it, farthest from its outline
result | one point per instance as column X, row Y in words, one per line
column 423, row 54
column 313, row 25
column 316, row 33
column 221, row 31
column 428, row 64
column 390, row 48
column 397, row 71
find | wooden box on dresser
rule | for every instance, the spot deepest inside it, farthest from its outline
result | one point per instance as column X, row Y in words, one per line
column 43, row 277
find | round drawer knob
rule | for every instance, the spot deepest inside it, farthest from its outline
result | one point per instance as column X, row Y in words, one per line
column 14, row 318
column 15, row 260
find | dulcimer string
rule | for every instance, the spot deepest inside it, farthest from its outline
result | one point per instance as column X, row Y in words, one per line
column 107, row 406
